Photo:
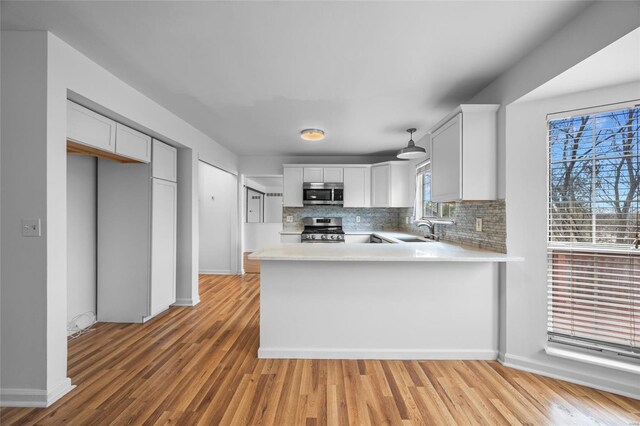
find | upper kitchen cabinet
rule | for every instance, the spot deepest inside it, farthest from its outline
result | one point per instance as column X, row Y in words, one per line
column 292, row 190
column 357, row 186
column 323, row 174
column 463, row 155
column 165, row 160
column 333, row 174
column 88, row 128
column 133, row 144
column 313, row 174
column 390, row 184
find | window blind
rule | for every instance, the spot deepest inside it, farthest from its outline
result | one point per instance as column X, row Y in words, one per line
column 593, row 229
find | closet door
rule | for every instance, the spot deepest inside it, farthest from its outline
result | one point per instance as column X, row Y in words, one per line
column 163, row 244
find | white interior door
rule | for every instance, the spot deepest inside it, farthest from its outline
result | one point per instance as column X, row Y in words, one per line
column 254, row 206
column 163, row 244
column 218, row 220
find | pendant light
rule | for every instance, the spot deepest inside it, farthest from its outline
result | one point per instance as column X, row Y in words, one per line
column 411, row 151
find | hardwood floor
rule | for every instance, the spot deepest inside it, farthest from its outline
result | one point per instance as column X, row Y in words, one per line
column 251, row 266
column 198, row 366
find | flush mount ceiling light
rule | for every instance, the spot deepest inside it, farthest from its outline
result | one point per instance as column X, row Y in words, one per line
column 312, row 134
column 411, row 151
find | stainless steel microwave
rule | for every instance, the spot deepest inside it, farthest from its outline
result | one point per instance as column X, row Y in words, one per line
column 314, row 194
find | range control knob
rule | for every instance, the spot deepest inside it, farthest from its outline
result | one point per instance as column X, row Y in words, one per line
column 313, row 237
column 333, row 237
column 324, row 237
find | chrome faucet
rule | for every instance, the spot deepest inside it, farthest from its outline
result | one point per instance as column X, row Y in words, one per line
column 430, row 224
column 430, row 227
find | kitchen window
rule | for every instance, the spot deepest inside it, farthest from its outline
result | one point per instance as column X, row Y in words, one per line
column 425, row 208
column 593, row 229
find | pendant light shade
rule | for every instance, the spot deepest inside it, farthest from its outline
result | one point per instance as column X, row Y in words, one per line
column 411, row 151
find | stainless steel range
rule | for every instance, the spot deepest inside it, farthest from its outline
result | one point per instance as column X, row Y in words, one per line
column 322, row 230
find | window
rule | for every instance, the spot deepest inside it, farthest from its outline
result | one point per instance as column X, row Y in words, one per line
column 425, row 208
column 593, row 230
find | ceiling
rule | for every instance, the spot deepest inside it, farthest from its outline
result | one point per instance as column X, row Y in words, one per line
column 264, row 181
column 251, row 75
column 618, row 63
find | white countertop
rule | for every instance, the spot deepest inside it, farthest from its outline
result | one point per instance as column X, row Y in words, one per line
column 346, row 232
column 399, row 252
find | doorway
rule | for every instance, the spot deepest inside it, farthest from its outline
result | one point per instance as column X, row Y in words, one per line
column 262, row 221
column 255, row 205
column 218, row 216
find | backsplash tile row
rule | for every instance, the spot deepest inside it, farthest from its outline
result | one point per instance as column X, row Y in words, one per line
column 494, row 228
column 371, row 219
column 493, row 214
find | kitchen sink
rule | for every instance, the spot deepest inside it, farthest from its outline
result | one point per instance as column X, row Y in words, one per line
column 414, row 240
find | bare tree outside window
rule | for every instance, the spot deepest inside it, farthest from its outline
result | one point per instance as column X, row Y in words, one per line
column 594, row 178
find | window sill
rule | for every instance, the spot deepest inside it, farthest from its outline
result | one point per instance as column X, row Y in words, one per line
column 601, row 360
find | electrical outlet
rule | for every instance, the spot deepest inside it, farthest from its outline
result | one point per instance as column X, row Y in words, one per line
column 30, row 227
column 406, row 220
column 357, row 219
column 289, row 219
column 478, row 224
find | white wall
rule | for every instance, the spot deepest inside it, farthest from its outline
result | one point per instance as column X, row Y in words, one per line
column 526, row 293
column 598, row 26
column 218, row 221
column 24, row 322
column 39, row 72
column 260, row 235
column 81, row 236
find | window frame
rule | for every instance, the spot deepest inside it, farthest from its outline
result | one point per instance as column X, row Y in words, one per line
column 598, row 248
column 419, row 201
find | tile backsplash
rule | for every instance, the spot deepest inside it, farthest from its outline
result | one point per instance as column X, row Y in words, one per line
column 493, row 213
column 494, row 228
column 371, row 219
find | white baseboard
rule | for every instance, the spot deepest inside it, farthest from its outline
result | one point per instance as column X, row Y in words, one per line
column 215, row 272
column 186, row 302
column 391, row 354
column 536, row 367
column 34, row 398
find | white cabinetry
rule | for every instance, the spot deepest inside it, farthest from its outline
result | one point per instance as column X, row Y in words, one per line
column 313, row 174
column 292, row 187
column 390, row 184
column 463, row 155
column 357, row 186
column 333, row 174
column 136, row 242
column 88, row 128
column 323, row 174
column 132, row 144
column 163, row 244
column 165, row 160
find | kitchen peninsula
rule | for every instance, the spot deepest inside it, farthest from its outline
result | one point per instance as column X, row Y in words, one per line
column 428, row 300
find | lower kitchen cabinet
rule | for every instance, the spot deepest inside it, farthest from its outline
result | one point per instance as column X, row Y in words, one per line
column 136, row 242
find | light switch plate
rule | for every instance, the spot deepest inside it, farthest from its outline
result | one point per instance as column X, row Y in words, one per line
column 31, row 227
column 478, row 224
column 289, row 219
column 406, row 220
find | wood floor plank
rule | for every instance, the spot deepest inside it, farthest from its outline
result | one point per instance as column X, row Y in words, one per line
column 198, row 364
